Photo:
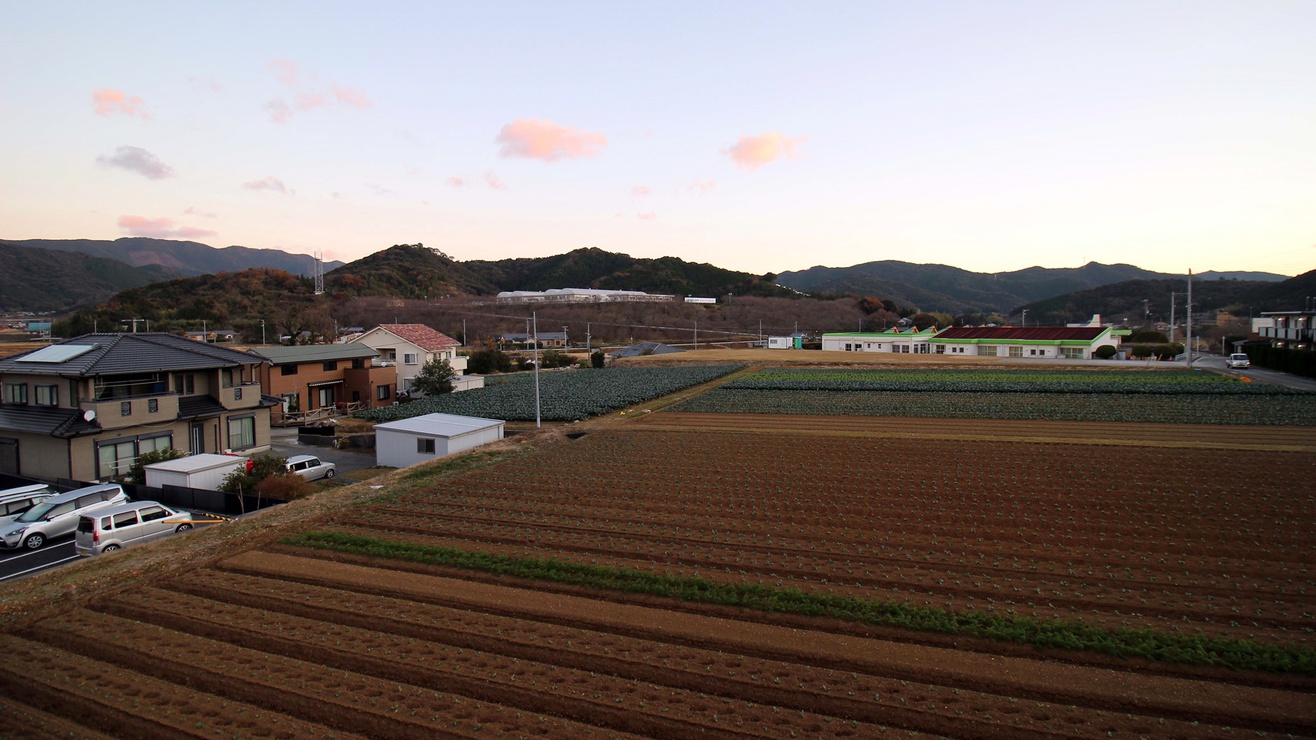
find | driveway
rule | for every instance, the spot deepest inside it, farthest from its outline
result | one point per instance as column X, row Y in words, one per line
column 283, row 442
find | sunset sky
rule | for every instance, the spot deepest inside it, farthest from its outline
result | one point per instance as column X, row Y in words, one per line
column 757, row 136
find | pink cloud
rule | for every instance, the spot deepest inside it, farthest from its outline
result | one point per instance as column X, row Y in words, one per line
column 286, row 72
column 494, row 182
column 351, row 96
column 194, row 211
column 647, row 216
column 640, row 190
column 536, row 139
column 136, row 159
column 107, row 102
column 702, row 186
column 270, row 183
column 311, row 100
column 278, row 110
column 159, row 228
column 752, row 152
column 457, row 182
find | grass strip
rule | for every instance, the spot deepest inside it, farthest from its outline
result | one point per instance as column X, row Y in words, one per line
column 1064, row 634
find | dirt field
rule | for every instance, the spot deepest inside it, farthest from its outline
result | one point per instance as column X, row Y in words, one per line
column 1174, row 528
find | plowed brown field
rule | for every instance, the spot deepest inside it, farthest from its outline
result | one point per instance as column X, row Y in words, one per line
column 1043, row 520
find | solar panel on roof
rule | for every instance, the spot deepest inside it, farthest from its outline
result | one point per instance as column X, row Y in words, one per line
column 58, row 353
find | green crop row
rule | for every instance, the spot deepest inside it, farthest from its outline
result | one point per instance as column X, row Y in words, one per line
column 1063, row 634
column 1060, row 376
column 1279, row 410
column 1007, row 381
column 566, row 395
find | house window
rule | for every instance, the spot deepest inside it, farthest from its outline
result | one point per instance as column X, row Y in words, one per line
column 287, row 369
column 382, row 393
column 410, row 358
column 330, row 365
column 1071, row 353
column 15, row 392
column 155, row 444
column 241, row 432
column 425, row 446
column 114, row 458
column 1016, row 351
column 325, row 396
column 292, row 403
column 153, row 405
column 237, row 393
column 987, row 350
column 46, row 395
column 941, row 349
column 356, row 396
column 126, row 408
column 226, row 377
column 357, row 364
column 185, row 383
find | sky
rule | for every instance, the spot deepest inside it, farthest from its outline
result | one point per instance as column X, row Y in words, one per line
column 756, row 136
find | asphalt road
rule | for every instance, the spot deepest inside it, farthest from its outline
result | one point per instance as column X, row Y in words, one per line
column 17, row 563
column 283, row 442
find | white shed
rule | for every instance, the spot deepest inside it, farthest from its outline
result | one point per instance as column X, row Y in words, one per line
column 407, row 442
column 204, row 471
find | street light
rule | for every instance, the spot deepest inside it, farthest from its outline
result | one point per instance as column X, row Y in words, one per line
column 1025, row 317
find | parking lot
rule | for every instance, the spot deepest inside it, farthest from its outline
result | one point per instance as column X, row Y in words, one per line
column 16, row 563
column 283, row 442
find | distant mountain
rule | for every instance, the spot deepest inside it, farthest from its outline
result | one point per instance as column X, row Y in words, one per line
column 595, row 268
column 951, row 289
column 1118, row 301
column 45, row 280
column 182, row 257
column 407, row 271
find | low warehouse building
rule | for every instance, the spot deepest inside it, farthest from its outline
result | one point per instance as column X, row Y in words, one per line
column 407, row 442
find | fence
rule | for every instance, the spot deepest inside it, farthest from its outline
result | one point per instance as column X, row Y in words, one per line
column 179, row 497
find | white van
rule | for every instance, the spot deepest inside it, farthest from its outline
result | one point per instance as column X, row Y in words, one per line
column 127, row 525
column 15, row 501
column 58, row 515
column 1238, row 360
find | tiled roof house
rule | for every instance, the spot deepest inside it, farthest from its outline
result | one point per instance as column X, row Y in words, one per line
column 408, row 347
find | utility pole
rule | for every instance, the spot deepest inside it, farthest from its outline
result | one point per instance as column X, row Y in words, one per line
column 1146, row 312
column 205, row 335
column 696, row 335
column 1188, row 322
column 262, row 331
column 587, row 338
column 464, row 342
column 534, row 317
column 1024, row 319
column 1173, row 297
column 564, row 337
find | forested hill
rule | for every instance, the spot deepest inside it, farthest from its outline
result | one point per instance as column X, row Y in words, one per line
column 596, row 268
column 944, row 288
column 181, row 257
column 407, row 271
column 1119, row 300
column 42, row 280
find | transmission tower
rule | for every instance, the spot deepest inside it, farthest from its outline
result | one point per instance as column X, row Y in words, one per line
column 319, row 273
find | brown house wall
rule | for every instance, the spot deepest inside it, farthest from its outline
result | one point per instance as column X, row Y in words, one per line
column 364, row 381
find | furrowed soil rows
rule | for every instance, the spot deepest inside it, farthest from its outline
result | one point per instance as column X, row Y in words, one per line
column 1036, row 530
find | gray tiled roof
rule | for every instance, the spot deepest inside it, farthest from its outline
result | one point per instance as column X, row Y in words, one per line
column 282, row 355
column 116, row 354
column 192, row 407
column 52, row 420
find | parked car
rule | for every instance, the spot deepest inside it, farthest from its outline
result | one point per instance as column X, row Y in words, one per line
column 126, row 525
column 311, row 467
column 1238, row 360
column 58, row 515
column 15, row 501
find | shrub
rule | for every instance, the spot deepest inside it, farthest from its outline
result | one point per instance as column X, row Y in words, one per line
column 137, row 473
column 598, row 359
column 554, row 358
column 288, row 487
column 489, row 360
column 1148, row 337
column 1104, row 352
column 245, row 481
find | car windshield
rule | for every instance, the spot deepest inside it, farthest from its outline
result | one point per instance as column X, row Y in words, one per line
column 35, row 513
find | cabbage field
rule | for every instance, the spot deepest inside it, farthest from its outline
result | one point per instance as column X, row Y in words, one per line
column 1186, row 397
column 570, row 395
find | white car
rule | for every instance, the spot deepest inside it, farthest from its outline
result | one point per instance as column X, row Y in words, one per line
column 1238, row 360
column 311, row 467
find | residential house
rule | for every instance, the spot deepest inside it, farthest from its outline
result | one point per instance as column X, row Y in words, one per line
column 408, row 347
column 85, row 408
column 1288, row 329
column 320, row 380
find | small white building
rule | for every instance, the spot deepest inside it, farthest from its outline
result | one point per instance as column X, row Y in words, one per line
column 408, row 442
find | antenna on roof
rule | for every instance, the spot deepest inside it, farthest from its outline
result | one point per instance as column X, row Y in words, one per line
column 319, row 272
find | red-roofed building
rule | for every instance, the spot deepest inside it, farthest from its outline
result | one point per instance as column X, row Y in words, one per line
column 408, row 347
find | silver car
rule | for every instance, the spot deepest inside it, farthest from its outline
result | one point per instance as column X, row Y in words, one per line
column 58, row 515
column 311, row 467
column 126, row 525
